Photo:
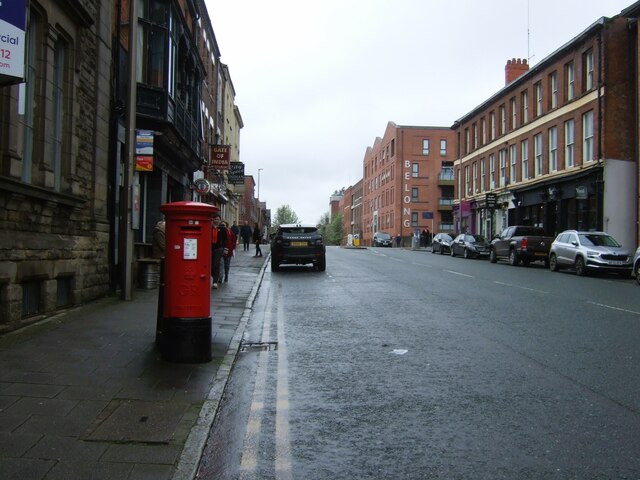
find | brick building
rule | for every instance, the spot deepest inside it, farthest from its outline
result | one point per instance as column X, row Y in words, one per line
column 350, row 206
column 556, row 146
column 54, row 161
column 407, row 182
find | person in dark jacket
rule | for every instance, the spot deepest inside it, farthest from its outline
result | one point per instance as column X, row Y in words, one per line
column 257, row 239
column 218, row 245
column 246, row 233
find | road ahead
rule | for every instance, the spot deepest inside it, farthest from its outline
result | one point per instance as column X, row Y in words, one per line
column 403, row 364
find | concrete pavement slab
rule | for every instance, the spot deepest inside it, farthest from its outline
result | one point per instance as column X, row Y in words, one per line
column 86, row 395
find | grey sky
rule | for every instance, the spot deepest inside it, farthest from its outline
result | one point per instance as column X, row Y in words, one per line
column 317, row 82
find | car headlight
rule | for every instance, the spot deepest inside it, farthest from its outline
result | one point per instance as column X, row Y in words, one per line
column 592, row 254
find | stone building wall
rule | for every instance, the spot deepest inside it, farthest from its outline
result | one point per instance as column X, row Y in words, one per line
column 54, row 226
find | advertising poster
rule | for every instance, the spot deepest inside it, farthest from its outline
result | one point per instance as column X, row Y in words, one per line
column 13, row 15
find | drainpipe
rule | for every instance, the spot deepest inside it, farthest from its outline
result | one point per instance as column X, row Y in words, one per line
column 599, row 175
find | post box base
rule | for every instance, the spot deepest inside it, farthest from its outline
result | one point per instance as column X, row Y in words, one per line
column 186, row 340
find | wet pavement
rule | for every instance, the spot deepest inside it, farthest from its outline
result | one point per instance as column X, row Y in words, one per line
column 86, row 394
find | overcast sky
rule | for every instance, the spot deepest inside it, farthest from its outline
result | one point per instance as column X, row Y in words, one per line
column 317, row 81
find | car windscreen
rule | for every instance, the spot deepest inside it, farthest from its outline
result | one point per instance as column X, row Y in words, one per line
column 383, row 236
column 590, row 240
column 474, row 239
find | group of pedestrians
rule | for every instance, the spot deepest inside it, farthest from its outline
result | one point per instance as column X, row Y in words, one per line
column 223, row 244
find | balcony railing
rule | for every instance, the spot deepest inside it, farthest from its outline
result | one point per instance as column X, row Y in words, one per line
column 446, row 177
column 445, row 227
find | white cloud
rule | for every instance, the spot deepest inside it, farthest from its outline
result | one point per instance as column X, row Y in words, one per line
column 317, row 82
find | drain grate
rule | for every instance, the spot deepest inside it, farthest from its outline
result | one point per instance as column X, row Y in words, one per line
column 258, row 346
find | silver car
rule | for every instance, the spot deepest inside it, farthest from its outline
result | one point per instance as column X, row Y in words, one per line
column 585, row 251
column 636, row 265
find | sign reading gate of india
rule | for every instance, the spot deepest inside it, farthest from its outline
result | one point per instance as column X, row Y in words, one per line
column 13, row 14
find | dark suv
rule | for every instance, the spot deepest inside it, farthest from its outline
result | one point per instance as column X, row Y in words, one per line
column 296, row 244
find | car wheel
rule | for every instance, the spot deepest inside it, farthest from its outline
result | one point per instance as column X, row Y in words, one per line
column 274, row 265
column 492, row 256
column 513, row 258
column 581, row 270
column 553, row 263
column 465, row 253
column 322, row 264
column 636, row 269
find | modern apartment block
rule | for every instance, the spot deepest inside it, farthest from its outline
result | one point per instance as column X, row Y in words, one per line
column 557, row 146
column 408, row 182
column 350, row 206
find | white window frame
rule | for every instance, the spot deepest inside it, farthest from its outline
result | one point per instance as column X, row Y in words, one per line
column 525, row 107
column 570, row 81
column 569, row 143
column 553, row 80
column 513, row 154
column 588, row 153
column 538, row 93
column 537, row 155
column 443, row 147
column 415, row 170
column 492, row 171
column 492, row 125
column 514, row 113
column 553, row 149
column 588, row 60
column 503, row 120
column 475, row 177
column 525, row 158
column 425, row 146
column 502, row 155
column 483, row 174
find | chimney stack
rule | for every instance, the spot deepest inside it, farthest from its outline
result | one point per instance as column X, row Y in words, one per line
column 515, row 68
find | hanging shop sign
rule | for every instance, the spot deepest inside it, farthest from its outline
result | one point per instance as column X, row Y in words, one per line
column 220, row 156
column 144, row 151
column 236, row 173
column 13, row 17
column 202, row 186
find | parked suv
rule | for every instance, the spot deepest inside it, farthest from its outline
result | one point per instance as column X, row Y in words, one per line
column 382, row 239
column 297, row 244
column 586, row 251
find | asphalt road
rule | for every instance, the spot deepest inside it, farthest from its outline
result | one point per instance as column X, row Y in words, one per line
column 402, row 364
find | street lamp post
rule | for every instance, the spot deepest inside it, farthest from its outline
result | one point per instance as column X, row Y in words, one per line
column 259, row 209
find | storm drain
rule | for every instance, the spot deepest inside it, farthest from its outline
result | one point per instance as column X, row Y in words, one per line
column 258, row 346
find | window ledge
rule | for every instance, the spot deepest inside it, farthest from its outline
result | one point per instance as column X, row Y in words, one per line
column 31, row 191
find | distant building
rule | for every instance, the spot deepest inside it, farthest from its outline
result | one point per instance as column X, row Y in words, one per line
column 408, row 182
column 350, row 206
column 557, row 146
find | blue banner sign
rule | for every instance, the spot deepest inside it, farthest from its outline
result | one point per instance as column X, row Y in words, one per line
column 13, row 19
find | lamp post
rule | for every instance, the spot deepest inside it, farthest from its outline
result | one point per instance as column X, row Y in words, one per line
column 259, row 209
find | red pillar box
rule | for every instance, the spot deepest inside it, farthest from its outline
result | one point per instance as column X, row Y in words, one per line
column 186, row 323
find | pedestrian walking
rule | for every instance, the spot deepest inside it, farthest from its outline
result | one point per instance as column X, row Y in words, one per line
column 246, row 233
column 228, row 252
column 398, row 240
column 257, row 239
column 218, row 244
column 236, row 231
column 158, row 240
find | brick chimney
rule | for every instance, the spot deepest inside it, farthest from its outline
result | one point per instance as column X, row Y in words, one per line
column 515, row 68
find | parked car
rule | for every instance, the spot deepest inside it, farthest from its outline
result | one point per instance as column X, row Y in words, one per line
column 587, row 251
column 382, row 239
column 470, row 246
column 636, row 265
column 296, row 244
column 521, row 243
column 441, row 243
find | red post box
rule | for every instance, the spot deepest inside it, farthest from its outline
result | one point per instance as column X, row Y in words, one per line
column 186, row 323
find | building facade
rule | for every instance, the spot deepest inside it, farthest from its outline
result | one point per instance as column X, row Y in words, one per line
column 556, row 146
column 407, row 184
column 54, row 164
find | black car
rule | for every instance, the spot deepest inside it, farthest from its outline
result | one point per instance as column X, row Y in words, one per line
column 382, row 239
column 441, row 243
column 296, row 244
column 470, row 246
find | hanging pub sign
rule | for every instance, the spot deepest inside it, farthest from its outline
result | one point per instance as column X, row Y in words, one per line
column 491, row 200
column 236, row 173
column 220, row 156
column 13, row 17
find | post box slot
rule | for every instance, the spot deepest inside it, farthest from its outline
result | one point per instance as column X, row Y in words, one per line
column 190, row 227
